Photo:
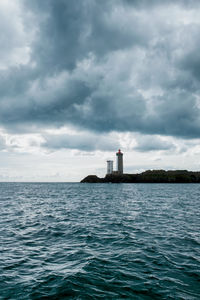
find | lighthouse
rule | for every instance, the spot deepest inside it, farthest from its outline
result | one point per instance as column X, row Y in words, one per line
column 109, row 166
column 119, row 155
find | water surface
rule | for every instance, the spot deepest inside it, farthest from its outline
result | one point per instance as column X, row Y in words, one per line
column 99, row 241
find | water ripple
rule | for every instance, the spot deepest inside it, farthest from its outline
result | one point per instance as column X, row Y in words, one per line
column 99, row 241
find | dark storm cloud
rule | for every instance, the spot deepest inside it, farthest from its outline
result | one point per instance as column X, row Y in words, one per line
column 106, row 66
column 69, row 30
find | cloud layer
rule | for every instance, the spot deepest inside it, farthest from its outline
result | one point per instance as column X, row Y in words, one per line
column 102, row 66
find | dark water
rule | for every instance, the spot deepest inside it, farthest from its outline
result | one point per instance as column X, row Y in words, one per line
column 99, row 241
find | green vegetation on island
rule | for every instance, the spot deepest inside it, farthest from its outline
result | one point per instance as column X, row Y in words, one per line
column 150, row 176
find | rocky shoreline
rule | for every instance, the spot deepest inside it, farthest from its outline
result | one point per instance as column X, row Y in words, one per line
column 150, row 176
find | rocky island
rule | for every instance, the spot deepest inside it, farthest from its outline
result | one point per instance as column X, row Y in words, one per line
column 150, row 176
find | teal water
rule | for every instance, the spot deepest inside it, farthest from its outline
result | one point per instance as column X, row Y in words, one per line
column 99, row 241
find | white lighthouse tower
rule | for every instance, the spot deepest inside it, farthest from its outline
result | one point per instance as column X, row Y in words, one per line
column 109, row 166
column 119, row 155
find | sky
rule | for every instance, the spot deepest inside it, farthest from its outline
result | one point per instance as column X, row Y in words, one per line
column 81, row 79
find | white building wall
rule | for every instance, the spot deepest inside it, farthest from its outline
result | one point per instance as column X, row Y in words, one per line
column 109, row 166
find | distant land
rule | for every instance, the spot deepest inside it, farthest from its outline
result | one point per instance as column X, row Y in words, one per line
column 150, row 176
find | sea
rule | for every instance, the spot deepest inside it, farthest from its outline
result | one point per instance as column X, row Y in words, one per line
column 99, row 241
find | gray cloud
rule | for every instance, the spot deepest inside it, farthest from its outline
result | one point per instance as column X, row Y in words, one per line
column 149, row 143
column 105, row 66
column 71, row 30
column 82, row 141
column 148, row 4
column 2, row 143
